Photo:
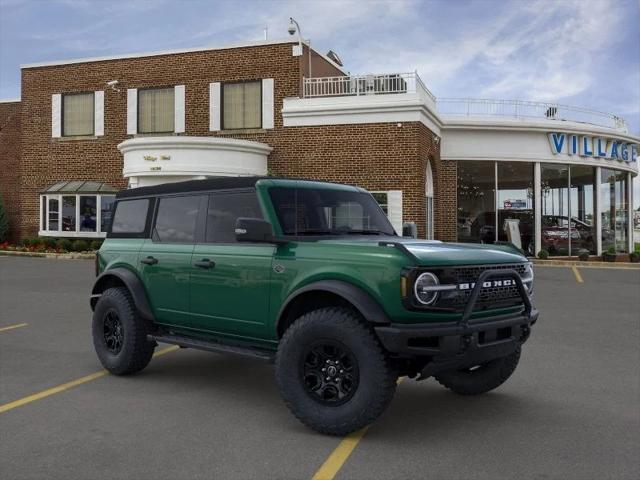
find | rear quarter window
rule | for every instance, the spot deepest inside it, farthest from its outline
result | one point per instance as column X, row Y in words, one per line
column 130, row 217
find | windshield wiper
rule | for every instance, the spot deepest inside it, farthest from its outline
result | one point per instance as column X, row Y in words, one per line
column 363, row 232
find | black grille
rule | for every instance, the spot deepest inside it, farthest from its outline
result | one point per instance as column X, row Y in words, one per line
column 490, row 297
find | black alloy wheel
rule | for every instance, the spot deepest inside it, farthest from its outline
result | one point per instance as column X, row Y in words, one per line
column 330, row 372
column 113, row 332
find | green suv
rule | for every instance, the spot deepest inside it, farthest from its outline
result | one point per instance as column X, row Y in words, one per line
column 312, row 276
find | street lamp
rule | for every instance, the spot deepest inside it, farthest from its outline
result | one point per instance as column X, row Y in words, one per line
column 293, row 28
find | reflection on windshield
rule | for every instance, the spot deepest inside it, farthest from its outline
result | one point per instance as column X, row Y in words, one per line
column 310, row 211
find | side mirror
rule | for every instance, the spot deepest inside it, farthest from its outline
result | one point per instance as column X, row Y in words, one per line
column 254, row 230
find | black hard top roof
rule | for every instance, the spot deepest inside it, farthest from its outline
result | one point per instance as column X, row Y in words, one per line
column 218, row 183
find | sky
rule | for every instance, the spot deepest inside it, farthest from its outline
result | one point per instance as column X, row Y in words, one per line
column 576, row 52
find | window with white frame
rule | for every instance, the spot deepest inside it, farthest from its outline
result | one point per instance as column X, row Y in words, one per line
column 76, row 209
column 429, row 198
column 156, row 110
column 242, row 105
column 391, row 203
column 78, row 114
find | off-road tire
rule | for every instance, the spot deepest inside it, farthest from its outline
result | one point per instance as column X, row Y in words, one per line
column 136, row 351
column 483, row 379
column 377, row 378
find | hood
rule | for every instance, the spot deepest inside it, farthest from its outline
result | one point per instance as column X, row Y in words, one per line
column 436, row 253
column 433, row 253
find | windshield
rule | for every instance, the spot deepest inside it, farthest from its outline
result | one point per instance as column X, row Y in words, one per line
column 311, row 211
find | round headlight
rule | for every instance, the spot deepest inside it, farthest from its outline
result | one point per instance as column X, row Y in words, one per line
column 422, row 288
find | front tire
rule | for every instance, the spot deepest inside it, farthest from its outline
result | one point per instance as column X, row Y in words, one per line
column 119, row 334
column 332, row 372
column 482, row 378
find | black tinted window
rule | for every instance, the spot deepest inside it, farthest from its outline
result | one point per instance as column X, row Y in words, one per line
column 224, row 210
column 130, row 216
column 325, row 211
column 176, row 219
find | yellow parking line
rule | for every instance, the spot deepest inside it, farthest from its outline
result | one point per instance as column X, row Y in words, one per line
column 66, row 386
column 576, row 273
column 345, row 448
column 11, row 327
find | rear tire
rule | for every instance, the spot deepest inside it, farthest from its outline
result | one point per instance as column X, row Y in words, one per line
column 119, row 334
column 357, row 383
column 480, row 379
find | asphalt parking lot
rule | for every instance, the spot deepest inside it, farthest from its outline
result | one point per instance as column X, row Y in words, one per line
column 571, row 410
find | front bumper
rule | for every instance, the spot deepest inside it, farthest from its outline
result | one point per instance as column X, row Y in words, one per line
column 469, row 342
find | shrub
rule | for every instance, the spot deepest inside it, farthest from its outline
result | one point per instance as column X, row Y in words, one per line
column 543, row 254
column 48, row 242
column 4, row 223
column 611, row 249
column 583, row 254
column 634, row 257
column 27, row 242
column 64, row 244
column 80, row 246
column 95, row 244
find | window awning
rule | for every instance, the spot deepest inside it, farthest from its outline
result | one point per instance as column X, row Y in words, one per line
column 79, row 187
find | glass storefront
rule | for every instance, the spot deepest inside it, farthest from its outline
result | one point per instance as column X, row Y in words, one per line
column 614, row 210
column 568, row 201
column 515, row 202
column 476, row 202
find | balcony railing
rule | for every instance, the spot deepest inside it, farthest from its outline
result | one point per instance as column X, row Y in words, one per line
column 472, row 107
column 356, row 85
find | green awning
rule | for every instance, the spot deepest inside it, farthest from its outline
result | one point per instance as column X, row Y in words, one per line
column 80, row 187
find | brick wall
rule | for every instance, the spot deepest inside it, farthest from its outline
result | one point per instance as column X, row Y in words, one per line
column 10, row 162
column 373, row 156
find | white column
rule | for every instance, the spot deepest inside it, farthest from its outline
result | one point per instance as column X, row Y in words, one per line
column 537, row 208
column 77, row 213
column 394, row 209
column 98, row 213
column 598, row 212
column 630, row 211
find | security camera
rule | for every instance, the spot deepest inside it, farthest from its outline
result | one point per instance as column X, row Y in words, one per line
column 292, row 27
column 112, row 84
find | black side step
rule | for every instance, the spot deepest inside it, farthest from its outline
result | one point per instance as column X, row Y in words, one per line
column 212, row 346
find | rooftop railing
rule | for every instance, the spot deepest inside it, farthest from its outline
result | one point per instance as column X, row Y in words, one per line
column 356, row 85
column 472, row 107
column 398, row 83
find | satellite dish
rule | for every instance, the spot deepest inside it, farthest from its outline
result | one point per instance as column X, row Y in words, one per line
column 334, row 57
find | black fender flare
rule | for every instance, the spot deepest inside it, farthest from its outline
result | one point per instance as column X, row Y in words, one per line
column 133, row 284
column 361, row 300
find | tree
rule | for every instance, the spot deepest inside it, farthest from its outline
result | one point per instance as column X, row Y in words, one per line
column 4, row 222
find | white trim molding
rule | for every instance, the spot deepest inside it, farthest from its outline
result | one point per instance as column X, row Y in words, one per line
column 132, row 111
column 214, row 107
column 179, row 109
column 267, row 103
column 152, row 160
column 56, row 115
column 98, row 112
column 390, row 108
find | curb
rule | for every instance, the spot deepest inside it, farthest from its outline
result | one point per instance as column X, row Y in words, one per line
column 577, row 263
column 60, row 256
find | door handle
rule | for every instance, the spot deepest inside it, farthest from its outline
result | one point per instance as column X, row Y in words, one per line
column 149, row 260
column 204, row 263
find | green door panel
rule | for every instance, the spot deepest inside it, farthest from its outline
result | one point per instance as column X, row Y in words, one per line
column 232, row 297
column 167, row 282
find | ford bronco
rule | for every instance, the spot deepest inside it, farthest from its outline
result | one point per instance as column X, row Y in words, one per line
column 312, row 276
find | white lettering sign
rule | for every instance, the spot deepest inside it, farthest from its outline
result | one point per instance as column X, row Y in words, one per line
column 597, row 147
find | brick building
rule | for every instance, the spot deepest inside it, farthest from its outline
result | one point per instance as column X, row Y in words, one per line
column 85, row 128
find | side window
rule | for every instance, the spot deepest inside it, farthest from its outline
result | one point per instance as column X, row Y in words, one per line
column 224, row 210
column 130, row 216
column 176, row 219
